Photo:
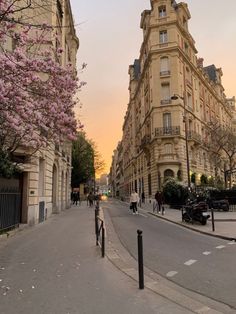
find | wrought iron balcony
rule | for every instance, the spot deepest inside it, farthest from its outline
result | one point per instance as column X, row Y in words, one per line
column 167, row 131
column 165, row 73
column 166, row 101
column 194, row 136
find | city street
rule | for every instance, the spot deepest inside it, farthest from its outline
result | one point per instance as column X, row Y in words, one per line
column 56, row 268
column 194, row 261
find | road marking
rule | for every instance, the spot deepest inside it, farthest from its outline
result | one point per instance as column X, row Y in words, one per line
column 232, row 242
column 203, row 310
column 190, row 262
column 220, row 247
column 206, row 253
column 171, row 273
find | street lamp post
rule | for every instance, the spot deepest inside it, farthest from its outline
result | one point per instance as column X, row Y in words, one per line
column 175, row 97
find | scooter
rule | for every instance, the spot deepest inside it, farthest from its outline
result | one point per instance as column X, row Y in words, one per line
column 195, row 212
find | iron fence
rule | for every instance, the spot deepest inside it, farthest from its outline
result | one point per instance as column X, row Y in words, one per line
column 100, row 232
column 10, row 208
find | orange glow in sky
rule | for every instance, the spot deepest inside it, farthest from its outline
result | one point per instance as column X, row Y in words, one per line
column 110, row 40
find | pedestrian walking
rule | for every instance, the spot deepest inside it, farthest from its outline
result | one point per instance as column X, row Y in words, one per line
column 134, row 199
column 143, row 197
column 78, row 198
column 75, row 198
column 90, row 199
column 159, row 202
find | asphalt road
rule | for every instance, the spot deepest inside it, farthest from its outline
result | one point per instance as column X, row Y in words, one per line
column 194, row 261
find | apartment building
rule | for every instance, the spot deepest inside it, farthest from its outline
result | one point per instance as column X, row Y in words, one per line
column 46, row 180
column 173, row 97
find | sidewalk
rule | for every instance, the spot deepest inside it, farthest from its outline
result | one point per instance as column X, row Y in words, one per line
column 225, row 222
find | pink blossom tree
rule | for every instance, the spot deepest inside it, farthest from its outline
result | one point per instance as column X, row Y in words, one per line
column 37, row 94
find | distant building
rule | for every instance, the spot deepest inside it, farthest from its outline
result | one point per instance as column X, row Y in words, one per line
column 102, row 184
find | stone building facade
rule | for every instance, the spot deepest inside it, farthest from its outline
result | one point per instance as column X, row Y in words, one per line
column 173, row 97
column 46, row 179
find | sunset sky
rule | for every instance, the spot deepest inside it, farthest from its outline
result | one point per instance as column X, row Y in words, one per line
column 110, row 40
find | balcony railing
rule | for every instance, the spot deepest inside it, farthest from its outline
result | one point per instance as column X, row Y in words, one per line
column 164, row 73
column 165, row 101
column 192, row 135
column 167, row 131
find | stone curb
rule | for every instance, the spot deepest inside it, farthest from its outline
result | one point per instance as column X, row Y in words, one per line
column 193, row 229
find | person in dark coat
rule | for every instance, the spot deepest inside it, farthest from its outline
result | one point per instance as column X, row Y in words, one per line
column 75, row 198
column 143, row 197
column 159, row 200
column 90, row 199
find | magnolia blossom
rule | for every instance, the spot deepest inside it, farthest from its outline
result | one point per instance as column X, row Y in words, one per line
column 37, row 94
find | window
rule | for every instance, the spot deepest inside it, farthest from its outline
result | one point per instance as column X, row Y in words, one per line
column 164, row 66
column 41, row 176
column 188, row 77
column 168, row 148
column 186, row 49
column 149, row 184
column 163, row 37
column 162, row 11
column 165, row 93
column 167, row 123
column 190, row 101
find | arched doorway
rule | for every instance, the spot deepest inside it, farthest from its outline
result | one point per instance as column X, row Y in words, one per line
column 168, row 173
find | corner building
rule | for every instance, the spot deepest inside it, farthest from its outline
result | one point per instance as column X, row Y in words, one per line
column 154, row 137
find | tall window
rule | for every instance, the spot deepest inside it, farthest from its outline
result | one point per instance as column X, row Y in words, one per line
column 41, row 176
column 190, row 101
column 167, row 123
column 149, row 184
column 163, row 37
column 165, row 93
column 164, row 66
column 162, row 11
column 168, row 148
column 188, row 75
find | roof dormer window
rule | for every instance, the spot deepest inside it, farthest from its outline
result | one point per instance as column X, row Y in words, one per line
column 162, row 11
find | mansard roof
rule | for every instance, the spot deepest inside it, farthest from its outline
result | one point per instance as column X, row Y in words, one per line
column 211, row 72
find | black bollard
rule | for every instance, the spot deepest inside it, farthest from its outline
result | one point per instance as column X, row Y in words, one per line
column 212, row 219
column 103, row 241
column 96, row 226
column 140, row 259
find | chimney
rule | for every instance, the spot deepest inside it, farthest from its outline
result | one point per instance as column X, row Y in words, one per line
column 200, row 62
